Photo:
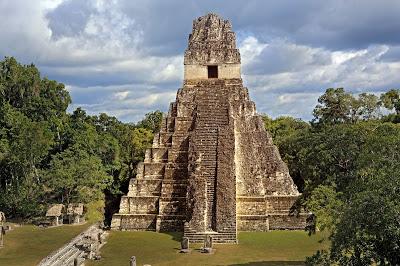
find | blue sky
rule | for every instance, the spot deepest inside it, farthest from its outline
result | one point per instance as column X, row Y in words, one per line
column 125, row 57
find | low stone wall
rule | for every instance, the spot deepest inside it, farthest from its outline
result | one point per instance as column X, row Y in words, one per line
column 279, row 203
column 251, row 206
column 170, row 223
column 148, row 222
column 268, row 213
column 287, row 222
column 261, row 223
column 138, row 222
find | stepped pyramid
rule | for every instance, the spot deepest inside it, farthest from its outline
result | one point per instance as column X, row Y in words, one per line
column 213, row 168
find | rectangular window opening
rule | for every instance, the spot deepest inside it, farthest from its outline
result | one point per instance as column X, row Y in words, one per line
column 212, row 72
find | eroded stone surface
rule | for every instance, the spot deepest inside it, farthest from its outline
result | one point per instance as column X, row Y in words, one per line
column 213, row 168
column 185, row 245
column 84, row 246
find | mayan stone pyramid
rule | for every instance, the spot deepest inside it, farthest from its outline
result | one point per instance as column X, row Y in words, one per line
column 212, row 168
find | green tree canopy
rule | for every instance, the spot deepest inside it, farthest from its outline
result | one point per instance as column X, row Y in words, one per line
column 338, row 106
column 152, row 121
column 76, row 176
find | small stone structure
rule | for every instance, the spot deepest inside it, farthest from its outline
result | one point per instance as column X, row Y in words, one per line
column 213, row 168
column 75, row 213
column 2, row 228
column 132, row 261
column 185, row 245
column 55, row 212
column 208, row 244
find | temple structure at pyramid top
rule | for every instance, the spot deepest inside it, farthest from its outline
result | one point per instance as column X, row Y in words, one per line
column 212, row 51
column 213, row 168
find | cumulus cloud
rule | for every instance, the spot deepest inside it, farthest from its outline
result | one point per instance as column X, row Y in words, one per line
column 126, row 57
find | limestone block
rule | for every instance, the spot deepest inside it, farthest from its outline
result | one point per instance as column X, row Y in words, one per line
column 116, row 222
column 229, row 71
column 251, row 206
column 124, row 205
column 138, row 222
column 143, row 204
column 195, row 72
column 154, row 169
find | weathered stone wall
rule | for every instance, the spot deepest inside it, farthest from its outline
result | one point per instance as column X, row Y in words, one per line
column 138, row 221
column 261, row 170
column 268, row 213
column 229, row 71
column 251, row 206
column 195, row 72
column 225, row 71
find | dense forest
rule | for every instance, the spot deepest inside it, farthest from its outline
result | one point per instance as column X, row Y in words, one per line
column 346, row 161
column 48, row 155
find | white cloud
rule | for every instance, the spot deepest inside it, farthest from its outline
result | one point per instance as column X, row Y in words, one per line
column 339, row 57
column 126, row 57
column 50, row 4
column 121, row 95
column 297, row 67
column 250, row 48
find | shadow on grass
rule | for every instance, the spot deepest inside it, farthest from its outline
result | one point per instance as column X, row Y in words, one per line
column 271, row 263
column 176, row 236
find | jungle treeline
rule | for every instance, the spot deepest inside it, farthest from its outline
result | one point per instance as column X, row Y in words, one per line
column 48, row 155
column 346, row 161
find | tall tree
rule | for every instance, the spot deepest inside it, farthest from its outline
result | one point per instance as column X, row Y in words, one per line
column 391, row 100
column 338, row 106
column 152, row 121
column 76, row 176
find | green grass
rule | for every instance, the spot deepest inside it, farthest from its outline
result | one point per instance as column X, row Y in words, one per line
column 254, row 248
column 28, row 244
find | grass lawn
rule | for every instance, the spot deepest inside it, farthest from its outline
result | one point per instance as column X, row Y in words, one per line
column 254, row 248
column 28, row 244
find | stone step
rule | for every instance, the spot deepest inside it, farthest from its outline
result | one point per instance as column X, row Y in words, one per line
column 154, row 168
column 151, row 177
column 175, row 181
column 174, row 198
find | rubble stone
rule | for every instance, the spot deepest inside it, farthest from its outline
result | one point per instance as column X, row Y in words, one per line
column 84, row 246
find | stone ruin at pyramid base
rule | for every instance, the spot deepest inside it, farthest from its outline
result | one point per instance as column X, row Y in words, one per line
column 213, row 168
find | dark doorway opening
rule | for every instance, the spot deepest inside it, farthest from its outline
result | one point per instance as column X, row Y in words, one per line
column 212, row 72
